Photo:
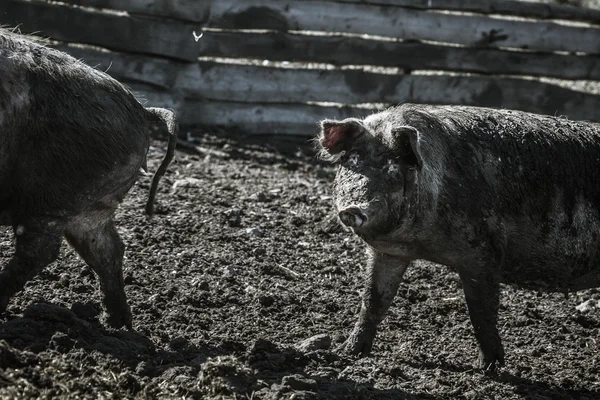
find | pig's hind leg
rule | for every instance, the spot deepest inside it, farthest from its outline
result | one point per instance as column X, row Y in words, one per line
column 95, row 237
column 482, row 294
column 38, row 243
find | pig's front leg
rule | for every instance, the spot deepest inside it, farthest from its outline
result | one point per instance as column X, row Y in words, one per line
column 482, row 293
column 384, row 275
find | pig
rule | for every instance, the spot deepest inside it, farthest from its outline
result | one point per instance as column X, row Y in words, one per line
column 499, row 196
column 72, row 143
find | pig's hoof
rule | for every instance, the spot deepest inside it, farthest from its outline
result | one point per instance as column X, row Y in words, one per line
column 359, row 343
column 491, row 360
column 119, row 319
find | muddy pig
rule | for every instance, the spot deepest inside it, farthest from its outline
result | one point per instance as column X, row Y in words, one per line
column 498, row 195
column 72, row 142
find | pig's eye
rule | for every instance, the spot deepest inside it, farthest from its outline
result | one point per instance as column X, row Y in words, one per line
column 392, row 167
column 353, row 159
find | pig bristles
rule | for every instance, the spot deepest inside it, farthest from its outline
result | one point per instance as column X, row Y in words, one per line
column 322, row 153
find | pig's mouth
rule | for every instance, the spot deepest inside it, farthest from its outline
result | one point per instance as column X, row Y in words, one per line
column 352, row 217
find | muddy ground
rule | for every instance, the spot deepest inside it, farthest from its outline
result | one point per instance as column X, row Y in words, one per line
column 241, row 265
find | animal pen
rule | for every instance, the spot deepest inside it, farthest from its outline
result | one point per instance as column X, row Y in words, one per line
column 277, row 67
column 243, row 284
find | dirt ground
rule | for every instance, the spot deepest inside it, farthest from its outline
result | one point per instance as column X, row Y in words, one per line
column 243, row 287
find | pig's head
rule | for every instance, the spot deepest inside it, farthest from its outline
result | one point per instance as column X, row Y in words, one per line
column 376, row 182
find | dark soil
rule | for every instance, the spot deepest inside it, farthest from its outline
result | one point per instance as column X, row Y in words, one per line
column 240, row 266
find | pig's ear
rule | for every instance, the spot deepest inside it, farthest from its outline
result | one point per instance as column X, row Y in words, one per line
column 406, row 139
column 337, row 136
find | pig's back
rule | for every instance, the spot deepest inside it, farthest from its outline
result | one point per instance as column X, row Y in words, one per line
column 532, row 182
column 510, row 158
column 523, row 160
column 65, row 125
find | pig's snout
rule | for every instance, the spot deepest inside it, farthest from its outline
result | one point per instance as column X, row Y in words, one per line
column 352, row 217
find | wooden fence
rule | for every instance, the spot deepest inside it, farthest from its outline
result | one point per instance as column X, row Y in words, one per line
column 276, row 66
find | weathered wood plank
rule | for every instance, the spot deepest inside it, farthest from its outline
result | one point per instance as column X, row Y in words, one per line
column 280, row 46
column 284, row 119
column 195, row 11
column 344, row 50
column 257, row 118
column 136, row 34
column 186, row 10
column 152, row 71
column 150, row 96
column 209, row 81
column 506, row 7
column 174, row 39
column 258, row 84
column 470, row 30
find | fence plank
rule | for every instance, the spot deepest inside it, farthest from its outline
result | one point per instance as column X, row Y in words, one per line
column 344, row 50
column 506, row 7
column 174, row 39
column 287, row 119
column 150, row 96
column 186, row 10
column 253, row 118
column 472, row 30
column 156, row 72
column 268, row 119
column 195, row 11
column 64, row 23
column 209, row 81
column 258, row 84
column 136, row 34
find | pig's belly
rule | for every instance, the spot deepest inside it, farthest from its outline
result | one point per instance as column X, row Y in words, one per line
column 550, row 267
